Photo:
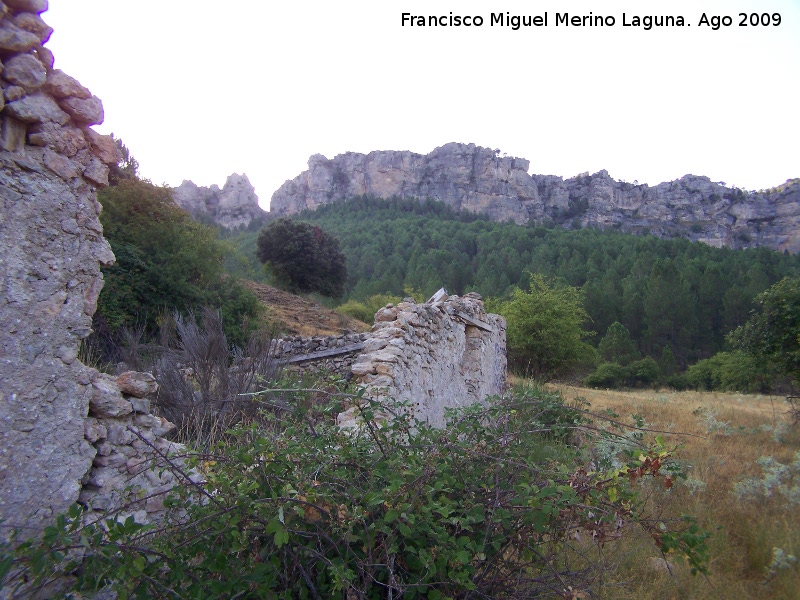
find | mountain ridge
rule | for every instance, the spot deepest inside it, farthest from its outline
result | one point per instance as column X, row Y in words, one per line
column 477, row 179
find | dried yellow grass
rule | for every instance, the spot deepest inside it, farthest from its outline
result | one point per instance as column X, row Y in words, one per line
column 745, row 532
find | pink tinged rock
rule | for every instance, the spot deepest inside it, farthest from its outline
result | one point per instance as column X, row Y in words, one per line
column 164, row 427
column 106, row 400
column 34, row 6
column 103, row 252
column 386, row 314
column 61, row 85
column 85, row 111
column 362, row 368
column 33, row 23
column 148, row 421
column 25, row 70
column 137, row 384
column 64, row 140
column 37, row 108
column 15, row 39
column 104, row 147
column 60, row 165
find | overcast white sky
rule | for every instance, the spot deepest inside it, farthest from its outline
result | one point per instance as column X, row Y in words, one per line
column 199, row 90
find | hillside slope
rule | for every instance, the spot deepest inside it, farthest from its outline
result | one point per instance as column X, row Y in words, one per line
column 294, row 315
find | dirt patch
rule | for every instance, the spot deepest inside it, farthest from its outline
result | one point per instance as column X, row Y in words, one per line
column 294, row 315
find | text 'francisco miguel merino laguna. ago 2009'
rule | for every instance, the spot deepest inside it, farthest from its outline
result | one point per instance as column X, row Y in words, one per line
column 646, row 22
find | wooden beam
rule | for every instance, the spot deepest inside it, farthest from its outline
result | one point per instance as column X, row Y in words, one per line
column 475, row 322
column 326, row 353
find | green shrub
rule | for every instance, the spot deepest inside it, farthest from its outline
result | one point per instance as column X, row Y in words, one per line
column 545, row 329
column 640, row 373
column 365, row 311
column 297, row 508
column 727, row 371
column 607, row 375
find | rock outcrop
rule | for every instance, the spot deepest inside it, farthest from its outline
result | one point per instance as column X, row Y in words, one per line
column 479, row 180
column 231, row 207
column 51, row 250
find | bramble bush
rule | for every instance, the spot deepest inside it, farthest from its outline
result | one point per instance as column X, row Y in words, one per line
column 501, row 503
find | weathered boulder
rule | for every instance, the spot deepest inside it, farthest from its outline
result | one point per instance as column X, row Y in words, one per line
column 15, row 39
column 34, row 6
column 61, row 85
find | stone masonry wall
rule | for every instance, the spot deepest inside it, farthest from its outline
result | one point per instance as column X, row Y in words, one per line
column 51, row 250
column 441, row 354
column 319, row 353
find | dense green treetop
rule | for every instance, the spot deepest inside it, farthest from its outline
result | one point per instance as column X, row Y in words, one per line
column 303, row 257
column 772, row 333
column 545, row 329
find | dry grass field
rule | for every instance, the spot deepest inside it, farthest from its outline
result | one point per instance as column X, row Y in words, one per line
column 756, row 535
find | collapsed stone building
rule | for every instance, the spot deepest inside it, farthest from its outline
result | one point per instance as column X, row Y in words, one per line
column 69, row 433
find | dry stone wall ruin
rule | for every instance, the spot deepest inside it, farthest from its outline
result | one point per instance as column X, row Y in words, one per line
column 52, row 452
column 334, row 354
column 446, row 353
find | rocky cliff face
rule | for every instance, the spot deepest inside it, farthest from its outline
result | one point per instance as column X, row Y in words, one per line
column 231, row 207
column 477, row 179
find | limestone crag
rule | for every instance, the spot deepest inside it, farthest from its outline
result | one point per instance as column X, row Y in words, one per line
column 231, row 207
column 479, row 180
column 51, row 250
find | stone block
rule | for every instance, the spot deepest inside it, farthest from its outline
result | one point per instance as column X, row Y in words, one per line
column 35, row 24
column 15, row 39
column 26, row 71
column 33, row 6
column 36, row 108
column 140, row 405
column 138, row 385
column 93, row 430
column 85, row 111
column 61, row 85
column 106, row 400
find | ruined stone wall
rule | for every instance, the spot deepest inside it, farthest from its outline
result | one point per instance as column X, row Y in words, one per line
column 51, row 249
column 442, row 354
column 335, row 354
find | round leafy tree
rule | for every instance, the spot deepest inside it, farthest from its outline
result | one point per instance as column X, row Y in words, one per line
column 772, row 333
column 303, row 257
column 545, row 329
